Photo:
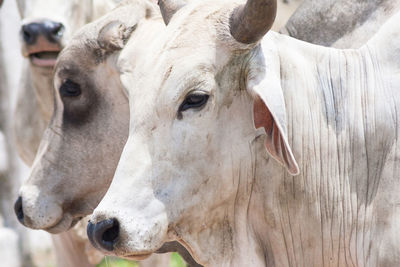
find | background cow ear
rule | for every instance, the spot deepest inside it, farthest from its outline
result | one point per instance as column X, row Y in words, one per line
column 114, row 35
column 269, row 112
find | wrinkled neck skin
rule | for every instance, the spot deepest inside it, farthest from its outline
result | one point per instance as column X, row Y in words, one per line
column 343, row 207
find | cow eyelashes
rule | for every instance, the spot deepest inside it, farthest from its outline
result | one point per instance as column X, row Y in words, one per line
column 70, row 89
column 194, row 100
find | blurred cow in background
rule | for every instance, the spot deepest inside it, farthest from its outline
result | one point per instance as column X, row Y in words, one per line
column 339, row 23
column 285, row 10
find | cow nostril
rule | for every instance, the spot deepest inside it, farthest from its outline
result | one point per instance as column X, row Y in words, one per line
column 90, row 233
column 104, row 234
column 27, row 36
column 57, row 30
column 29, row 33
column 19, row 210
column 111, row 234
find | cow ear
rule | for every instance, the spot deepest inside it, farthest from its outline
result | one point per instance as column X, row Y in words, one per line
column 269, row 112
column 114, row 35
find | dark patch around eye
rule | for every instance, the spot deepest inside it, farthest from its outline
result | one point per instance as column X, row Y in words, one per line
column 79, row 110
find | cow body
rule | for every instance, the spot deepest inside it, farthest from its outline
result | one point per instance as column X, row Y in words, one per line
column 195, row 169
column 340, row 24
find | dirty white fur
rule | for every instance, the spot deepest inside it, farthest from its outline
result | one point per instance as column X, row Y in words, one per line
column 205, row 179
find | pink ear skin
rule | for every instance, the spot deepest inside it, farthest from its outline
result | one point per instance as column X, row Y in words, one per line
column 274, row 142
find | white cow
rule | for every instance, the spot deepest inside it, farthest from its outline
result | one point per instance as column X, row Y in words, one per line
column 46, row 28
column 195, row 169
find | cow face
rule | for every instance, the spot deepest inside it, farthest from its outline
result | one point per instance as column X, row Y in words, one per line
column 82, row 144
column 191, row 135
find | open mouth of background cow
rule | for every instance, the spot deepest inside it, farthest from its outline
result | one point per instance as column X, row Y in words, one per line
column 42, row 42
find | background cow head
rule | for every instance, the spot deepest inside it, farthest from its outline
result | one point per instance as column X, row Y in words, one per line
column 189, row 159
column 46, row 28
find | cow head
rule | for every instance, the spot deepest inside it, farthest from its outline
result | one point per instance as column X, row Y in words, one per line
column 47, row 26
column 200, row 89
column 83, row 142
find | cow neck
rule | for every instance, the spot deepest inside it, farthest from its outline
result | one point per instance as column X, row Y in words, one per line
column 44, row 92
column 326, row 215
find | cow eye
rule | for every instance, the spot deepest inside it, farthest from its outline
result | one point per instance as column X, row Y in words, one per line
column 194, row 100
column 70, row 88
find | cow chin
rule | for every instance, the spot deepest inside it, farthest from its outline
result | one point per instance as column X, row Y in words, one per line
column 66, row 223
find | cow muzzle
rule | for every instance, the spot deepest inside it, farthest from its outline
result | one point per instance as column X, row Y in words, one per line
column 47, row 216
column 135, row 237
column 42, row 42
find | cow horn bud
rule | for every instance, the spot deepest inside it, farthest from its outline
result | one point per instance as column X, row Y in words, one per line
column 169, row 7
column 114, row 35
column 250, row 22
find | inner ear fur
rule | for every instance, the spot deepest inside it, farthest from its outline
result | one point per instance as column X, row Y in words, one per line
column 275, row 142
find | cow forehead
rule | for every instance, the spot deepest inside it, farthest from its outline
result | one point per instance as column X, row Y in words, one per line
column 198, row 23
column 74, row 56
column 186, row 50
